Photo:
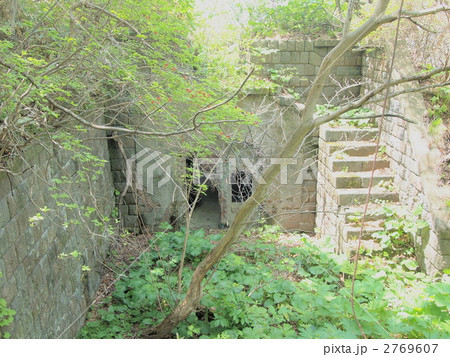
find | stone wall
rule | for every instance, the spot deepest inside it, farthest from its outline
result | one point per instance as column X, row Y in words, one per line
column 155, row 187
column 293, row 64
column 126, row 201
column 414, row 158
column 291, row 203
column 329, row 220
column 51, row 294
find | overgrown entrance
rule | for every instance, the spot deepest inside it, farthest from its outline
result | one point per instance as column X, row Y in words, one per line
column 207, row 211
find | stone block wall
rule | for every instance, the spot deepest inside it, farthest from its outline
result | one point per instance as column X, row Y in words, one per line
column 292, row 205
column 142, row 208
column 128, row 206
column 329, row 221
column 414, row 157
column 51, row 294
column 293, row 64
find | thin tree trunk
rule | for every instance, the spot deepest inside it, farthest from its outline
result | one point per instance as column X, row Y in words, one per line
column 183, row 253
column 338, row 6
column 13, row 11
column 8, row 11
column 348, row 20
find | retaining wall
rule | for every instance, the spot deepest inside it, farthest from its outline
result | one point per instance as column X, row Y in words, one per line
column 329, row 220
column 293, row 65
column 414, row 157
column 51, row 294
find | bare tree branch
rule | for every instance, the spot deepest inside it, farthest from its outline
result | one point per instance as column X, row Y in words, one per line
column 348, row 19
column 364, row 99
column 412, row 90
column 379, row 116
column 413, row 14
column 420, row 25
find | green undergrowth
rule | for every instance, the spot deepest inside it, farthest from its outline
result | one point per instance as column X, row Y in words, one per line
column 264, row 289
column 6, row 317
column 399, row 225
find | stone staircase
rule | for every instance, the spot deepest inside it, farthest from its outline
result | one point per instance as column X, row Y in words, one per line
column 346, row 155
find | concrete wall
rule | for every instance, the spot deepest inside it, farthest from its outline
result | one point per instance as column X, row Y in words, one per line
column 155, row 190
column 414, row 158
column 147, row 203
column 48, row 293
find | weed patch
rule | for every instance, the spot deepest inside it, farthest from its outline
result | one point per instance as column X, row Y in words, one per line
column 264, row 289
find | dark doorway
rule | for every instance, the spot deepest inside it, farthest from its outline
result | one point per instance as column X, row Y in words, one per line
column 207, row 209
column 207, row 214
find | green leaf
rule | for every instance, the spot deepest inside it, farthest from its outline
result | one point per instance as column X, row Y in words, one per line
column 75, row 254
column 410, row 264
column 277, row 298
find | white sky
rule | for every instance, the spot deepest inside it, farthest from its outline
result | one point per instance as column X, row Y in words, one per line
column 219, row 12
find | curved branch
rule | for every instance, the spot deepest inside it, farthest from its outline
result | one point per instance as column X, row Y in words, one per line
column 364, row 99
column 134, row 131
column 207, row 109
column 420, row 25
column 412, row 14
column 379, row 116
column 412, row 90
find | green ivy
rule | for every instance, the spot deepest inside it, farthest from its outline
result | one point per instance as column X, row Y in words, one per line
column 143, row 55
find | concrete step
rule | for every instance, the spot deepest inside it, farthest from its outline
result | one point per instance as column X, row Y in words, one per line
column 351, row 234
column 360, row 179
column 348, row 134
column 371, row 245
column 374, row 212
column 356, row 164
column 356, row 196
column 351, row 231
column 351, row 148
